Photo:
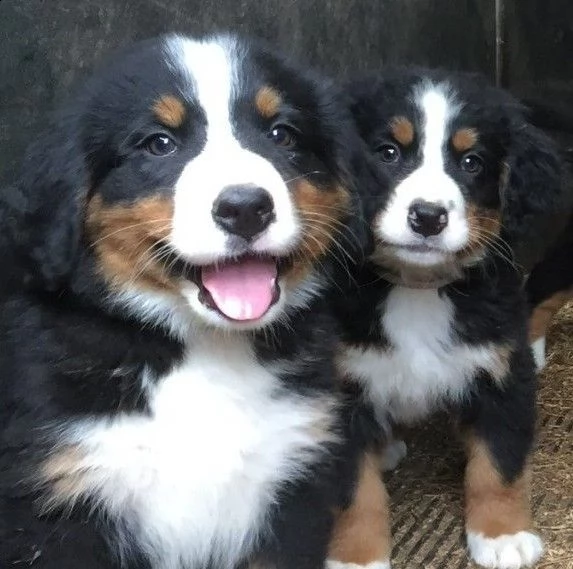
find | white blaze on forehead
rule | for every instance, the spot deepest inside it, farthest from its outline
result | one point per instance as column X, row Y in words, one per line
column 429, row 182
column 213, row 69
column 437, row 108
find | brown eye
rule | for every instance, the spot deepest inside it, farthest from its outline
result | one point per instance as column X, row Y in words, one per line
column 472, row 164
column 283, row 136
column 160, row 145
column 388, row 153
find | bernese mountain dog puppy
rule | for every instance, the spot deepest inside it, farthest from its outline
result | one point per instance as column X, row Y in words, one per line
column 438, row 317
column 167, row 369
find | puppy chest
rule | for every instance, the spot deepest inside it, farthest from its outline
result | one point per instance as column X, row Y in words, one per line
column 424, row 365
column 195, row 478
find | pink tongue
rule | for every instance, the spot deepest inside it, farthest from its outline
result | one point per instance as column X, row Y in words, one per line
column 242, row 290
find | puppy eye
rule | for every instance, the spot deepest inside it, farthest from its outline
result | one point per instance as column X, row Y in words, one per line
column 283, row 136
column 159, row 145
column 472, row 164
column 388, row 153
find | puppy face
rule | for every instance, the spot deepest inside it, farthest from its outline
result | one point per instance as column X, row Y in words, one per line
column 444, row 143
column 216, row 179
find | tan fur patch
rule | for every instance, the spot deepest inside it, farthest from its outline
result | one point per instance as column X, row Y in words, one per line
column 124, row 238
column 494, row 507
column 170, row 111
column 402, row 130
column 362, row 531
column 268, row 102
column 465, row 139
column 321, row 211
column 500, row 356
column 484, row 229
column 543, row 314
column 64, row 478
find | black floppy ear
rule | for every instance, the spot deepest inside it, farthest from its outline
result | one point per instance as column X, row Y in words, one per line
column 533, row 194
column 44, row 209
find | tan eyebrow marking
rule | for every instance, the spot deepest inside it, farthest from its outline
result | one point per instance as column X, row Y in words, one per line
column 268, row 101
column 465, row 139
column 169, row 110
column 402, row 130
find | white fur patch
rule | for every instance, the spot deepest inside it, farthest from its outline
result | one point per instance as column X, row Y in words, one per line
column 213, row 69
column 425, row 365
column 429, row 183
column 522, row 549
column 332, row 564
column 538, row 348
column 195, row 479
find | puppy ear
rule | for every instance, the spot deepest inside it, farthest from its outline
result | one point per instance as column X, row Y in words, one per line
column 44, row 208
column 533, row 194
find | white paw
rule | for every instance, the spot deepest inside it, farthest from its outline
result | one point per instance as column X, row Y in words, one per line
column 522, row 549
column 392, row 454
column 332, row 564
column 538, row 349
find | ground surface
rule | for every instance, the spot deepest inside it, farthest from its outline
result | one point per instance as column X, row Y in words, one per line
column 426, row 490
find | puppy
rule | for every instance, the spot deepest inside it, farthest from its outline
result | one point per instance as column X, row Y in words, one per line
column 167, row 365
column 438, row 318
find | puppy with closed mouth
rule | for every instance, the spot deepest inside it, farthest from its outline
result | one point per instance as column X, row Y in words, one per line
column 167, row 365
column 438, row 318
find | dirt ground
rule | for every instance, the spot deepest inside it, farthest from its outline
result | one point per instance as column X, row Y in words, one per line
column 426, row 490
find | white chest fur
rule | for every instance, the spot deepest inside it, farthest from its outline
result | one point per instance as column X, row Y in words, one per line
column 198, row 475
column 425, row 364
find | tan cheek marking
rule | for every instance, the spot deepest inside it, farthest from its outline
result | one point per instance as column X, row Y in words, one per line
column 170, row 111
column 362, row 531
column 124, row 237
column 321, row 212
column 465, row 139
column 494, row 507
column 268, row 102
column 402, row 130
column 542, row 315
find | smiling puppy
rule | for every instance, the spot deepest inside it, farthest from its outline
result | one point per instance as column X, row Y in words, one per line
column 438, row 317
column 167, row 398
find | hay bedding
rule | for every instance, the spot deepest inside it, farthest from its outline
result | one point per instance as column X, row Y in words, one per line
column 426, row 490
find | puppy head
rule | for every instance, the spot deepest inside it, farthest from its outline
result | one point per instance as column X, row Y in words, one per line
column 210, row 178
column 469, row 177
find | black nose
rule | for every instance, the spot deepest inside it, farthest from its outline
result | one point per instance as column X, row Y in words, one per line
column 244, row 210
column 427, row 218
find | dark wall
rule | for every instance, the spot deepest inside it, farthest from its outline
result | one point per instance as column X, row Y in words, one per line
column 47, row 45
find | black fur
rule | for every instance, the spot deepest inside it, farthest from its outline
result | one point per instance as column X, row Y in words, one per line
column 554, row 273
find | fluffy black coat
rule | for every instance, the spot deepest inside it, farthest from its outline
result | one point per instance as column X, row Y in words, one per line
column 73, row 354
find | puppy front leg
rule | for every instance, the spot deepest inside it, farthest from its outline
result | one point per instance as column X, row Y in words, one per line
column 501, row 421
column 361, row 537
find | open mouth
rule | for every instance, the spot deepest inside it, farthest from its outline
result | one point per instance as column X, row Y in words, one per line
column 242, row 290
